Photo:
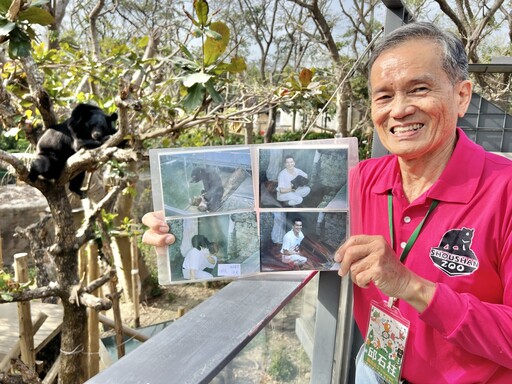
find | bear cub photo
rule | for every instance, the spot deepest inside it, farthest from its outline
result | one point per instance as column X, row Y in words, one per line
column 213, row 190
column 88, row 127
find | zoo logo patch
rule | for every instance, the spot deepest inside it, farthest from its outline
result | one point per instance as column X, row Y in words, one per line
column 454, row 255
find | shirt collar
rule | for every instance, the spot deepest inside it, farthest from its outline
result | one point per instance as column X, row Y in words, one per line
column 460, row 178
column 457, row 183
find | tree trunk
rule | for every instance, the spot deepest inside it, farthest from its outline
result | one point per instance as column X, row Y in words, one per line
column 71, row 345
column 65, row 254
column 271, row 124
column 341, row 113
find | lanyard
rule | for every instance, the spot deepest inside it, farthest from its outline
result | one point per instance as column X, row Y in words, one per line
column 413, row 237
column 416, row 232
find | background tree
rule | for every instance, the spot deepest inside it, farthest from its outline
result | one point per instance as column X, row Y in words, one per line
column 45, row 78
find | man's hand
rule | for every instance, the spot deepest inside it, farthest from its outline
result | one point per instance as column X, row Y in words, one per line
column 158, row 232
column 371, row 259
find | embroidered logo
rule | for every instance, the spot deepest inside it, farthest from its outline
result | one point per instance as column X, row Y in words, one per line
column 454, row 255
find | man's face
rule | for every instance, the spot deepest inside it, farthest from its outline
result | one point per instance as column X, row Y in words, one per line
column 289, row 163
column 414, row 105
column 297, row 227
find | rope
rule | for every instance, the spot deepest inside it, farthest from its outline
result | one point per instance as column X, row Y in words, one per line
column 79, row 349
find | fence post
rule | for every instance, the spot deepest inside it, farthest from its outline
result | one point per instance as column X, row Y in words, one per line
column 24, row 318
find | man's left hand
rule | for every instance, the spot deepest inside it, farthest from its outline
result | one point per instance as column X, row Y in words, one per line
column 371, row 259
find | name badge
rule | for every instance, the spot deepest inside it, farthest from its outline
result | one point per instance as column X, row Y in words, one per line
column 385, row 341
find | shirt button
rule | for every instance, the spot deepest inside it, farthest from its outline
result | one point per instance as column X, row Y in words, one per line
column 403, row 244
column 407, row 219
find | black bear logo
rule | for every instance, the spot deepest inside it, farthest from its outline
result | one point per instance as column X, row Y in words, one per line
column 458, row 242
column 454, row 255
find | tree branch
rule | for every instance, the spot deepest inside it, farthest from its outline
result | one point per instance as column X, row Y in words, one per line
column 36, row 293
column 95, row 284
column 91, row 301
column 85, row 232
column 39, row 94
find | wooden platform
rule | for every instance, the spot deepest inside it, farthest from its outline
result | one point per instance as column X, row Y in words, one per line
column 9, row 324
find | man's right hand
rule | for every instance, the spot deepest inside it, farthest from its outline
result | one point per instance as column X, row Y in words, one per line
column 158, row 232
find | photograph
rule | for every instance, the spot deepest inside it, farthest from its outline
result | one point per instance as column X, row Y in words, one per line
column 213, row 247
column 300, row 240
column 297, row 177
column 205, row 181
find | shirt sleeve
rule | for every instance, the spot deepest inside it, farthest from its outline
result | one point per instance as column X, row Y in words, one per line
column 481, row 328
column 287, row 243
column 283, row 181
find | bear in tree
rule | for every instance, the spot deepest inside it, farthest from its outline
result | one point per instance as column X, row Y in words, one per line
column 88, row 127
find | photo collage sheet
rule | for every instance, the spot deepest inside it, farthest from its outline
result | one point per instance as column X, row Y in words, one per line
column 242, row 210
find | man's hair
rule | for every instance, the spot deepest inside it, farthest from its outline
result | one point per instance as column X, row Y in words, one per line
column 289, row 157
column 295, row 220
column 455, row 60
column 199, row 241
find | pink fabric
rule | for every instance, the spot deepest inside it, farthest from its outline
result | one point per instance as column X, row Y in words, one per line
column 465, row 335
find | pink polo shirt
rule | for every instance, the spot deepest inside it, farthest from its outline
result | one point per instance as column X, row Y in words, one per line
column 465, row 246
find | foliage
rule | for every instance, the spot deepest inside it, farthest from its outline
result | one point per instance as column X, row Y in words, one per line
column 16, row 20
column 201, row 75
column 281, row 366
column 296, row 136
column 8, row 286
column 13, row 140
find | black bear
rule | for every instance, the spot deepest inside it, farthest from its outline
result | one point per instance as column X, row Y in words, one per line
column 212, row 187
column 299, row 181
column 88, row 127
column 458, row 242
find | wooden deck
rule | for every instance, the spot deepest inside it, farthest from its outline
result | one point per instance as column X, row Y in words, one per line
column 9, row 324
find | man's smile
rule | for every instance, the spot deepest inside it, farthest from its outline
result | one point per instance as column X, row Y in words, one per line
column 406, row 128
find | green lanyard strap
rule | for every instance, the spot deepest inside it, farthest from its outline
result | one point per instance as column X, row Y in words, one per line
column 416, row 232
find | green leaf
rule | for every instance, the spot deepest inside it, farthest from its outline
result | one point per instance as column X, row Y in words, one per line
column 6, row 297
column 142, row 42
column 216, row 96
column 19, row 44
column 195, row 97
column 197, row 33
column 36, row 15
column 214, row 35
column 202, row 9
column 191, row 18
column 185, row 64
column 294, row 83
column 214, row 48
column 195, row 78
column 6, row 28
column 237, row 65
column 185, row 50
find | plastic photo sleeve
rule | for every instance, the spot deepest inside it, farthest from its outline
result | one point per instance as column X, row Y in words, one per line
column 303, row 203
column 241, row 210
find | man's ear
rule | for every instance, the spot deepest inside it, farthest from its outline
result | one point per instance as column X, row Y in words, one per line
column 464, row 92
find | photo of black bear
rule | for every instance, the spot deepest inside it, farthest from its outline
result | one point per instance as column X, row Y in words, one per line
column 299, row 181
column 213, row 189
column 88, row 127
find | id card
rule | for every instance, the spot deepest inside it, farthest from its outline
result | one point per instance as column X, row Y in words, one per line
column 385, row 341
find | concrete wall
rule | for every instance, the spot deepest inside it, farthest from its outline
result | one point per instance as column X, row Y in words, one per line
column 20, row 206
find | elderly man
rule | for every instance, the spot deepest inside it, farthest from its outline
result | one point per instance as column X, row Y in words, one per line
column 431, row 225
